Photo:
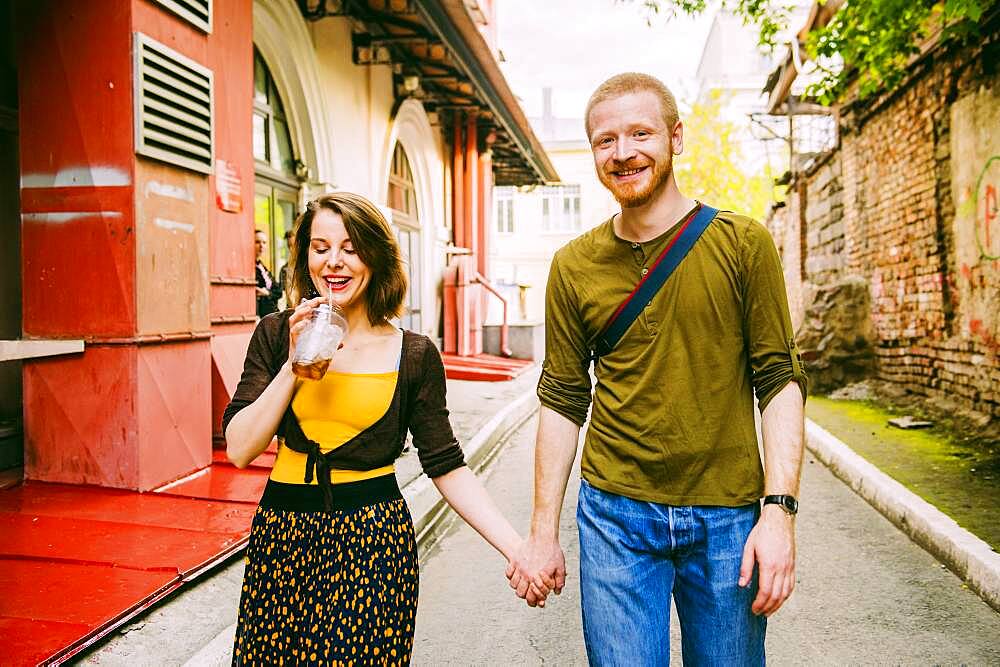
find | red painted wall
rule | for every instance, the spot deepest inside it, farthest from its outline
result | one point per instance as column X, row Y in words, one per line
column 80, row 419
column 174, row 413
column 126, row 413
column 75, row 89
column 230, row 56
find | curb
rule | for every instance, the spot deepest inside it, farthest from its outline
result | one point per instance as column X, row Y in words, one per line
column 427, row 508
column 965, row 554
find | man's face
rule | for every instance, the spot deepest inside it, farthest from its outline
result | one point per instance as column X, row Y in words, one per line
column 633, row 147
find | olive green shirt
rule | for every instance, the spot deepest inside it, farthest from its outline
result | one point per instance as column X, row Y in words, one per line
column 673, row 410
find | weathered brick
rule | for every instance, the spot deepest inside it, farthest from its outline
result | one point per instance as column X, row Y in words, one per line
column 881, row 208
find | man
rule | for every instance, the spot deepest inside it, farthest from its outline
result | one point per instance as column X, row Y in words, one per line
column 268, row 289
column 672, row 477
column 284, row 273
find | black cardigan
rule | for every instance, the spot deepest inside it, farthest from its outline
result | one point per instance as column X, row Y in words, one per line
column 418, row 405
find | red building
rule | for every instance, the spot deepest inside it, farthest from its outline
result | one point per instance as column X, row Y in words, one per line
column 141, row 144
column 152, row 137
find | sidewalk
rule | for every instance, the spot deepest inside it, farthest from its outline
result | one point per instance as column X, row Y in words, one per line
column 81, row 562
column 969, row 557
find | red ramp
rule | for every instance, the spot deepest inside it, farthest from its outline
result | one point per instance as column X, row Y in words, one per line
column 78, row 561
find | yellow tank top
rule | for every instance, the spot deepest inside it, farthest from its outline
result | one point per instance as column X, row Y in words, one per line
column 331, row 411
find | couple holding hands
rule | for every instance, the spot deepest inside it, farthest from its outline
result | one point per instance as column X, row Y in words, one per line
column 672, row 479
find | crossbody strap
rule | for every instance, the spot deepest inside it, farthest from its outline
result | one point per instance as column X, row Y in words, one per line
column 651, row 283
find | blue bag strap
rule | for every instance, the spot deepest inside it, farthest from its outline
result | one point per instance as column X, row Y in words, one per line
column 651, row 283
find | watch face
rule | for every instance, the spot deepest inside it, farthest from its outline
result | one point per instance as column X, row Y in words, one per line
column 787, row 503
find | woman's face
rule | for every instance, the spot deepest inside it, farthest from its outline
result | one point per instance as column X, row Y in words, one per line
column 333, row 265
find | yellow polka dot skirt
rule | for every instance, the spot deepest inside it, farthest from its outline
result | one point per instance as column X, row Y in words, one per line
column 329, row 587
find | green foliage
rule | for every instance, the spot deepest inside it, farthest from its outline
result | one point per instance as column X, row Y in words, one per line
column 769, row 17
column 876, row 40
column 871, row 41
column 712, row 167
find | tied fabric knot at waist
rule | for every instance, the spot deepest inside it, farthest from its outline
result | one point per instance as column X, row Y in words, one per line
column 317, row 463
column 320, row 466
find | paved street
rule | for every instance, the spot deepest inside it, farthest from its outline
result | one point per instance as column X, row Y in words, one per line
column 865, row 595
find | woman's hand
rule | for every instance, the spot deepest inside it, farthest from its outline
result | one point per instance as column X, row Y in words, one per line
column 298, row 321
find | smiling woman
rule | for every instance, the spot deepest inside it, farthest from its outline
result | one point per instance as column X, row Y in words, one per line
column 331, row 571
column 341, row 242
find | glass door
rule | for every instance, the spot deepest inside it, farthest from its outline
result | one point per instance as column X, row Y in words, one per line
column 275, row 210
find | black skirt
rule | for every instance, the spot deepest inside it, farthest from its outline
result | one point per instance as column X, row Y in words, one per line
column 337, row 587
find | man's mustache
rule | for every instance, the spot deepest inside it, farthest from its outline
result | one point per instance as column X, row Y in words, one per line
column 625, row 165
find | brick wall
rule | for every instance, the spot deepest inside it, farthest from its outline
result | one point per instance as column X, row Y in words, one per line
column 882, row 208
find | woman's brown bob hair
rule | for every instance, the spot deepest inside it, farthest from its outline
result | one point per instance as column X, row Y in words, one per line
column 373, row 241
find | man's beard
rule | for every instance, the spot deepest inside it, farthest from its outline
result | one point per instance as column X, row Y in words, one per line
column 629, row 195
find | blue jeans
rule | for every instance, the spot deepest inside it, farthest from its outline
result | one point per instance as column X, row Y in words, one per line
column 634, row 554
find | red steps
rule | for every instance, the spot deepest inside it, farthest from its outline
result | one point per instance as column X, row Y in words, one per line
column 484, row 367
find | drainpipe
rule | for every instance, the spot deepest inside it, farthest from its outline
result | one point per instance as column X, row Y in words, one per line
column 485, row 202
column 471, row 238
column 472, row 307
column 458, row 183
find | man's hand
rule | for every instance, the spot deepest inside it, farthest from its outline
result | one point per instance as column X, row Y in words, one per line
column 771, row 545
column 538, row 568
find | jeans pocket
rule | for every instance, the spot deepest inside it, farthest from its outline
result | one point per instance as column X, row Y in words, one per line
column 615, row 534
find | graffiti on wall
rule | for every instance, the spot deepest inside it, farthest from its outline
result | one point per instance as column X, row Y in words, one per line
column 987, row 233
column 975, row 168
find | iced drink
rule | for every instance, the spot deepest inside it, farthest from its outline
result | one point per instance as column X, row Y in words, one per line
column 317, row 343
column 314, row 371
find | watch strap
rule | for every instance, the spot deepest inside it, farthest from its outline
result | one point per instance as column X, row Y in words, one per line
column 787, row 502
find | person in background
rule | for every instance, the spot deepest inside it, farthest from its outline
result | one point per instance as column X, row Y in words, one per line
column 268, row 289
column 284, row 278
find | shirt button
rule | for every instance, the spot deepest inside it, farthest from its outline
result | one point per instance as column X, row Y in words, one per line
column 635, row 246
column 645, row 270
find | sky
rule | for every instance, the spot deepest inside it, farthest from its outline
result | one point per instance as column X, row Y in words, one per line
column 574, row 45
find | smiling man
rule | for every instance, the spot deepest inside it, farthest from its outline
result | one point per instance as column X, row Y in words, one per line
column 669, row 504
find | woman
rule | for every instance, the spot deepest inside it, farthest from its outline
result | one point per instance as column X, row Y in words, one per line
column 331, row 572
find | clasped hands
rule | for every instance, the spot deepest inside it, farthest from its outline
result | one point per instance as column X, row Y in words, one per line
column 539, row 565
column 538, row 568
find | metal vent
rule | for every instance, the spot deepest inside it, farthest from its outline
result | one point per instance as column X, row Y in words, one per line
column 173, row 108
column 196, row 12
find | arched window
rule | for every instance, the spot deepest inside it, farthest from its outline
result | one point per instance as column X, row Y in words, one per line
column 276, row 187
column 403, row 202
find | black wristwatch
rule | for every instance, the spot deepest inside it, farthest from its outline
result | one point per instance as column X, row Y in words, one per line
column 787, row 503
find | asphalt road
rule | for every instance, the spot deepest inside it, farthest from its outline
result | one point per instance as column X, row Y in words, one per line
column 865, row 593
